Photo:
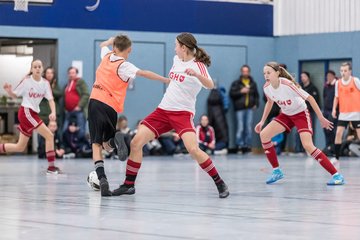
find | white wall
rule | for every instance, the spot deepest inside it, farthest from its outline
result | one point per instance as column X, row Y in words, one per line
column 293, row 17
column 13, row 69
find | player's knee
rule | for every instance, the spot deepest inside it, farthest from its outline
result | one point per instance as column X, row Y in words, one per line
column 21, row 147
column 136, row 144
column 193, row 150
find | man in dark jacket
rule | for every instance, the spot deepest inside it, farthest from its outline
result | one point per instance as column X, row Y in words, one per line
column 245, row 97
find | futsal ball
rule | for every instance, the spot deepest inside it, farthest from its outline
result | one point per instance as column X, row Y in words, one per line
column 93, row 181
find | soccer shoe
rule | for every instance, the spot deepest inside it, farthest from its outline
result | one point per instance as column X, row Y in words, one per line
column 104, row 188
column 123, row 189
column 122, row 150
column 276, row 175
column 223, row 190
column 53, row 170
column 337, row 179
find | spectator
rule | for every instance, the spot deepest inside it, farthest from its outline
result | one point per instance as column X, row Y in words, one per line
column 59, row 148
column 76, row 97
column 172, row 143
column 49, row 74
column 310, row 88
column 205, row 135
column 75, row 144
column 217, row 105
column 245, row 97
column 328, row 97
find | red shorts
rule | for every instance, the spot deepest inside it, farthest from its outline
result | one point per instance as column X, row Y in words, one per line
column 301, row 121
column 161, row 121
column 29, row 120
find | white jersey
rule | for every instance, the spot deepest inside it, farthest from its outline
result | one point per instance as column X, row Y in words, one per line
column 183, row 89
column 289, row 97
column 33, row 92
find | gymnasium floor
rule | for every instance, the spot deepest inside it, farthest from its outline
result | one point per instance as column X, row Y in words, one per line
column 176, row 200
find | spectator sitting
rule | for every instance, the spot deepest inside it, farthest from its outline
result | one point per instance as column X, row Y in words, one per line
column 75, row 144
column 350, row 143
column 205, row 135
column 59, row 148
column 76, row 97
column 172, row 143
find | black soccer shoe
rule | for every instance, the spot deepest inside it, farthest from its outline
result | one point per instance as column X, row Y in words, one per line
column 124, row 189
column 122, row 150
column 104, row 188
column 223, row 190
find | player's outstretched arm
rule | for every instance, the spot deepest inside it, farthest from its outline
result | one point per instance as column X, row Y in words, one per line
column 267, row 109
column 152, row 76
column 8, row 89
column 323, row 121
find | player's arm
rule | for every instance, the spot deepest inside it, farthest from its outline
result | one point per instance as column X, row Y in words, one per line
column 52, row 115
column 108, row 42
column 152, row 76
column 323, row 121
column 267, row 109
column 335, row 105
column 8, row 89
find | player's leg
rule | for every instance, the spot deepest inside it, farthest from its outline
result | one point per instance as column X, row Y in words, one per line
column 338, row 138
column 271, row 130
column 192, row 146
column 143, row 136
column 45, row 132
column 307, row 142
column 20, row 146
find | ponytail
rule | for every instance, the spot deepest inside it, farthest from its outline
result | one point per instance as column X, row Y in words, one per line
column 287, row 75
column 202, row 56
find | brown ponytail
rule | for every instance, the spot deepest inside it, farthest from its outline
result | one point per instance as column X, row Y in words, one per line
column 283, row 72
column 190, row 42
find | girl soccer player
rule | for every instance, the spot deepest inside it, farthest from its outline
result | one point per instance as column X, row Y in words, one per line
column 176, row 111
column 281, row 88
column 33, row 88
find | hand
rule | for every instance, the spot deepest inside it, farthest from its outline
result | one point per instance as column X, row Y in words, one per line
column 176, row 137
column 166, row 80
column 7, row 87
column 245, row 90
column 60, row 152
column 333, row 114
column 77, row 108
column 190, row 72
column 326, row 124
column 258, row 127
column 52, row 117
column 211, row 145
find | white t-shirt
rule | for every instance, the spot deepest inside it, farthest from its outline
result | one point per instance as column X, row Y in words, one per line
column 33, row 92
column 183, row 89
column 350, row 116
column 289, row 97
column 126, row 71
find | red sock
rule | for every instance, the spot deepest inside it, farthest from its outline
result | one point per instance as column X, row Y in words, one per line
column 50, row 156
column 270, row 153
column 209, row 167
column 2, row 148
column 132, row 169
column 324, row 161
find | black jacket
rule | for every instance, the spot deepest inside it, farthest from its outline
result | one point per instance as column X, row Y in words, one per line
column 313, row 91
column 239, row 98
column 216, row 115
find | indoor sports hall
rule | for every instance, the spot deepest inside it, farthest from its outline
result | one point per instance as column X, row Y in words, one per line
column 260, row 143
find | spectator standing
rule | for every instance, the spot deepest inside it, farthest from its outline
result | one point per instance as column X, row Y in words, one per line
column 76, row 97
column 245, row 97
